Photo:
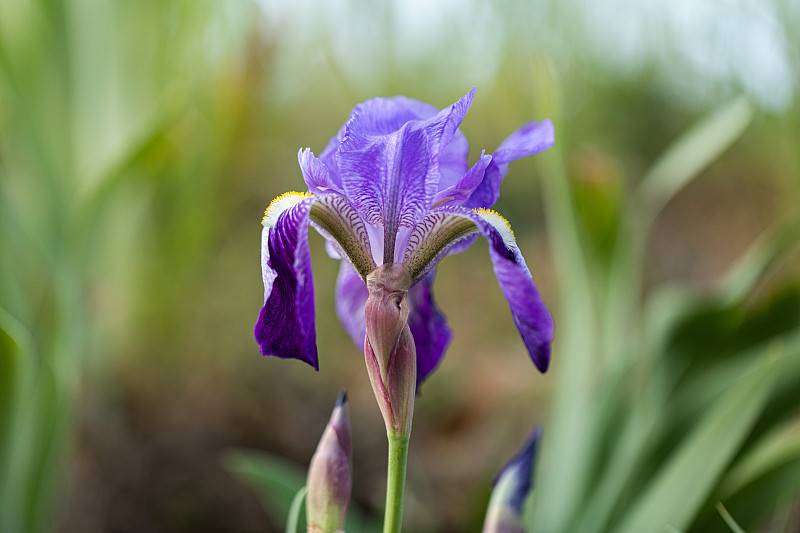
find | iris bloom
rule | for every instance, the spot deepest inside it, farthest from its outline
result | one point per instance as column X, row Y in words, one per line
column 394, row 187
column 511, row 487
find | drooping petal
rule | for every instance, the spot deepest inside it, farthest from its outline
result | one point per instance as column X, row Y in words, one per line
column 285, row 326
column 432, row 239
column 338, row 221
column 447, row 225
column 428, row 327
column 351, row 295
column 530, row 139
column 391, row 177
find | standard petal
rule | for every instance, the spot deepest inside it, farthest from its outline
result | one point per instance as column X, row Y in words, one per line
column 448, row 225
column 462, row 189
column 316, row 175
column 285, row 326
column 351, row 295
column 392, row 176
column 428, row 327
column 328, row 155
column 530, row 139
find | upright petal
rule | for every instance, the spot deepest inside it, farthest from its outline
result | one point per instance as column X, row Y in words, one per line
column 392, row 176
column 428, row 326
column 316, row 175
column 462, row 189
column 285, row 325
column 530, row 139
column 446, row 227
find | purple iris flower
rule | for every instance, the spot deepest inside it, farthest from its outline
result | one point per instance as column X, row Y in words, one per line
column 511, row 487
column 394, row 186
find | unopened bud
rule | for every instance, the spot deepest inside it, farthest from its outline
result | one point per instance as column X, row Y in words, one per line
column 389, row 349
column 511, row 488
column 330, row 474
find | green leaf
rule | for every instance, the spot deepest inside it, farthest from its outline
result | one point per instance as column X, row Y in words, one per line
column 295, row 510
column 276, row 480
column 686, row 479
column 779, row 447
column 16, row 368
column 729, row 519
column 691, row 153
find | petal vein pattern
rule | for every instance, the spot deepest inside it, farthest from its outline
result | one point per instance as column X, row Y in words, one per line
column 391, row 178
column 431, row 239
column 338, row 220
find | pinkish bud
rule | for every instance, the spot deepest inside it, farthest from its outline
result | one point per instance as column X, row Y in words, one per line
column 389, row 349
column 330, row 474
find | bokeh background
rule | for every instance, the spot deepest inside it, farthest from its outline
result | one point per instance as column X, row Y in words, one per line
column 141, row 141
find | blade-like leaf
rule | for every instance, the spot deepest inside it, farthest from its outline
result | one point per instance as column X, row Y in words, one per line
column 691, row 153
column 687, row 477
column 275, row 480
column 295, row 511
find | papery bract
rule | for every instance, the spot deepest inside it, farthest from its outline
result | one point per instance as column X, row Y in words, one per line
column 330, row 477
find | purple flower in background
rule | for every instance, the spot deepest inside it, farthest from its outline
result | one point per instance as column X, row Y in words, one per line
column 394, row 186
column 511, row 487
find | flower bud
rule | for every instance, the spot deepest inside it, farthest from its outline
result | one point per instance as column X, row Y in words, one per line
column 389, row 349
column 511, row 487
column 330, row 474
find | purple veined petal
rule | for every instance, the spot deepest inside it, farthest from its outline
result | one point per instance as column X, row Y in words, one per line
column 316, row 175
column 392, row 177
column 428, row 326
column 434, row 238
column 453, row 160
column 351, row 295
column 530, row 139
column 458, row 193
column 397, row 111
column 328, row 155
column 285, row 326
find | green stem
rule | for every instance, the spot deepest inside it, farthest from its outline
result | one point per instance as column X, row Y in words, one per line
column 396, row 481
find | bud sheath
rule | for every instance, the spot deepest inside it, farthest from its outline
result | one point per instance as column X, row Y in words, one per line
column 330, row 474
column 389, row 349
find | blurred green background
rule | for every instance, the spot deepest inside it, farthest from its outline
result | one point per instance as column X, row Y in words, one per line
column 141, row 141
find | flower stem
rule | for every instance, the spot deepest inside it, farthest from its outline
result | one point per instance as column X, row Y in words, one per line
column 396, row 481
